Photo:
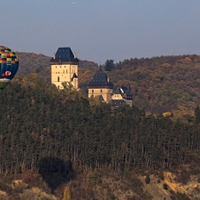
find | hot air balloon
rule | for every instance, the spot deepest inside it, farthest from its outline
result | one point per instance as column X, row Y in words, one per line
column 8, row 66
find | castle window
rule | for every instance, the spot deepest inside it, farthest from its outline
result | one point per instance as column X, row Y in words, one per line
column 101, row 91
column 60, row 66
column 92, row 91
column 58, row 79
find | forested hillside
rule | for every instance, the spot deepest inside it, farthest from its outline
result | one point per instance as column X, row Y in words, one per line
column 160, row 84
column 61, row 134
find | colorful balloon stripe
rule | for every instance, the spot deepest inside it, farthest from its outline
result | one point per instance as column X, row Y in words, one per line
column 8, row 66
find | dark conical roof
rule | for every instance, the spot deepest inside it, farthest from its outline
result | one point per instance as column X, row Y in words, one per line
column 63, row 54
column 100, row 79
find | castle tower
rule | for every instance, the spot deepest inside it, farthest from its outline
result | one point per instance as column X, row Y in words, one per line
column 64, row 68
column 100, row 87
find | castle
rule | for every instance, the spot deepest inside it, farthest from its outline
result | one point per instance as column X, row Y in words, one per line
column 64, row 70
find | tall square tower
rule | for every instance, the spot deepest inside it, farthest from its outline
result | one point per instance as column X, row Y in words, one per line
column 64, row 68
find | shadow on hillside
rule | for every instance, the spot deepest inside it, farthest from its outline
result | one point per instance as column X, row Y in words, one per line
column 55, row 171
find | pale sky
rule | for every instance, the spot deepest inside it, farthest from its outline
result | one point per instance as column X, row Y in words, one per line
column 97, row 30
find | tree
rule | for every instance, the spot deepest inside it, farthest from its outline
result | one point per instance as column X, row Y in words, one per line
column 197, row 115
column 165, row 186
column 109, row 65
column 67, row 86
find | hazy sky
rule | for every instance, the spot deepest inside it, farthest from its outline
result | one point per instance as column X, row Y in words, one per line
column 98, row 30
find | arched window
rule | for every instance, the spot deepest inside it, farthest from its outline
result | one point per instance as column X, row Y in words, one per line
column 58, row 79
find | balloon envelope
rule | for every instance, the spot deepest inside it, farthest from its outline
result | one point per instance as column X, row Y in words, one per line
column 8, row 66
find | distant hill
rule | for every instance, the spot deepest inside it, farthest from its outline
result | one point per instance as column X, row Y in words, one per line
column 159, row 84
column 30, row 62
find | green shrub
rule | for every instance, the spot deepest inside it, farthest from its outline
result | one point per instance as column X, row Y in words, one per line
column 165, row 186
column 181, row 196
